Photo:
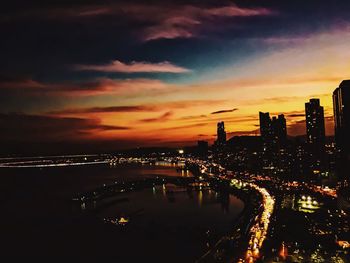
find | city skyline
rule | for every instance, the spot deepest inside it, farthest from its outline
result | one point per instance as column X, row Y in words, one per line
column 167, row 80
column 205, row 131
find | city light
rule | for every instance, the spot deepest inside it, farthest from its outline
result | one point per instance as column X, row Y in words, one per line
column 207, row 131
column 259, row 230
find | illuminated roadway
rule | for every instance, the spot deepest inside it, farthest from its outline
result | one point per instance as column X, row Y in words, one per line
column 258, row 231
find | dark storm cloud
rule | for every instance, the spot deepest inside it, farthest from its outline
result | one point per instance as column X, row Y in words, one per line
column 224, row 111
column 22, row 127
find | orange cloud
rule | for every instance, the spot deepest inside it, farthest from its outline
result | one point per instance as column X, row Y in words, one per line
column 162, row 117
column 111, row 109
column 172, row 105
column 98, row 86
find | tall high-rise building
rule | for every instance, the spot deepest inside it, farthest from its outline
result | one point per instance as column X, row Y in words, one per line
column 265, row 126
column 279, row 129
column 315, row 128
column 265, row 133
column 274, row 136
column 221, row 133
column 315, row 132
column 341, row 107
column 273, row 131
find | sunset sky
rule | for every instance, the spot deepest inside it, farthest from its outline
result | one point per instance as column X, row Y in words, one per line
column 163, row 73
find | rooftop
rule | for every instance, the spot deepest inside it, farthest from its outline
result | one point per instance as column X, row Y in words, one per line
column 345, row 83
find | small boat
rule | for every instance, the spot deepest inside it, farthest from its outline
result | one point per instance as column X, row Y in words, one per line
column 119, row 221
column 122, row 221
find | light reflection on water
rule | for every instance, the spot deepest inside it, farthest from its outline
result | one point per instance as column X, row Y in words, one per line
column 166, row 209
column 164, row 227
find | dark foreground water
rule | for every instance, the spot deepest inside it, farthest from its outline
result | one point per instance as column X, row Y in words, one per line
column 38, row 220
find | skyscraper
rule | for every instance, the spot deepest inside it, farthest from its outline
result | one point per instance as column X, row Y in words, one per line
column 279, row 130
column 341, row 107
column 315, row 128
column 273, row 131
column 315, row 132
column 265, row 126
column 274, row 136
column 221, row 134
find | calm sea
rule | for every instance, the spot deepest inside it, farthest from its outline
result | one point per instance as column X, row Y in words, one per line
column 39, row 222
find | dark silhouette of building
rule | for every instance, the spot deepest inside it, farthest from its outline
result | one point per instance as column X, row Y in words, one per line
column 221, row 134
column 315, row 132
column 301, row 167
column 279, row 130
column 315, row 128
column 244, row 153
column 265, row 127
column 202, row 148
column 250, row 142
column 341, row 107
column 273, row 131
column 274, row 136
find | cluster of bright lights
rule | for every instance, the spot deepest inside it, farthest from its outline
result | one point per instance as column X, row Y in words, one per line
column 343, row 244
column 315, row 188
column 307, row 204
column 326, row 191
column 258, row 231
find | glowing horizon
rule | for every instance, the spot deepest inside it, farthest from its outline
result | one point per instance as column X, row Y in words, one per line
column 156, row 86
